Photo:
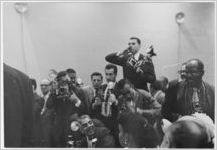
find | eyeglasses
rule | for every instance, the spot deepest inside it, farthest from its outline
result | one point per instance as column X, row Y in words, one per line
column 89, row 123
column 131, row 43
column 193, row 72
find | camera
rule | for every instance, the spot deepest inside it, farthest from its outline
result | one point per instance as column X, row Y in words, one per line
column 75, row 137
column 131, row 61
column 62, row 90
column 135, row 64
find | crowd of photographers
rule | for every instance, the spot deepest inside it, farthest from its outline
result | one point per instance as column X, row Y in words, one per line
column 124, row 113
column 67, row 102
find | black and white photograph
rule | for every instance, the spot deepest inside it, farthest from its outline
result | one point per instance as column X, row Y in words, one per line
column 94, row 74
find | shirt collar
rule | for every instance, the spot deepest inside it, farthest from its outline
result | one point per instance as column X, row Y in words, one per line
column 136, row 56
column 46, row 96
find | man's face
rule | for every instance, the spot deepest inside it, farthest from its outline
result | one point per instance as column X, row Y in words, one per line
column 64, row 79
column 87, row 126
column 110, row 75
column 72, row 76
column 134, row 45
column 96, row 81
column 45, row 88
column 183, row 72
column 127, row 87
column 193, row 74
column 126, row 92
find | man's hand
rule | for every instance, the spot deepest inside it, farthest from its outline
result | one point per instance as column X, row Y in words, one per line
column 139, row 111
column 122, row 53
column 138, row 70
column 112, row 99
column 74, row 98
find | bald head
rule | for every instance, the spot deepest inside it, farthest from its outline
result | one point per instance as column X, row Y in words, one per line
column 194, row 72
column 195, row 63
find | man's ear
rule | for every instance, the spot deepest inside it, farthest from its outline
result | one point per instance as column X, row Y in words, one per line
column 165, row 125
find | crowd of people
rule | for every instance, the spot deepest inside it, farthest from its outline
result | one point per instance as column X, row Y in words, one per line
column 139, row 111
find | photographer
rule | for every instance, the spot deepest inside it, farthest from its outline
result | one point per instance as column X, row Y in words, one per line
column 137, row 68
column 66, row 100
column 137, row 101
column 89, row 133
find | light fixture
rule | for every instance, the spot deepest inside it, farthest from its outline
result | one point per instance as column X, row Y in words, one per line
column 180, row 17
column 21, row 7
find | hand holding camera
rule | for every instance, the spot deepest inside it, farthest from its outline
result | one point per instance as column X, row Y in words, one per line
column 112, row 99
column 125, row 53
column 74, row 98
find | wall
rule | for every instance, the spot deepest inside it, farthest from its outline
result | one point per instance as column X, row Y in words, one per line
column 80, row 35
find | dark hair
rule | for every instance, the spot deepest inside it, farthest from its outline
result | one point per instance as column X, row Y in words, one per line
column 136, row 125
column 96, row 74
column 156, row 85
column 111, row 66
column 137, row 39
column 34, row 84
column 61, row 74
column 122, row 82
column 70, row 70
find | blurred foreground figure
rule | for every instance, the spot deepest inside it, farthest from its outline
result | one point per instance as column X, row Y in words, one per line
column 136, row 132
column 18, row 108
column 89, row 133
column 195, row 131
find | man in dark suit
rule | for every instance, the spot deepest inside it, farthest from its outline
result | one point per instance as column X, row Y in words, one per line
column 137, row 68
column 110, row 87
column 18, row 108
column 66, row 101
column 91, row 92
column 190, row 95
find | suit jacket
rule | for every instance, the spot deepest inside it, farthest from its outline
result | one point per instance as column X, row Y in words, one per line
column 37, row 123
column 18, row 108
column 176, row 103
column 138, row 79
column 63, row 110
column 89, row 94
